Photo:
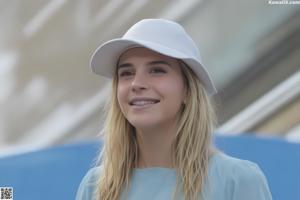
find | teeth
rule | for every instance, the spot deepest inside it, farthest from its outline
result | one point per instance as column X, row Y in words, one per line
column 143, row 102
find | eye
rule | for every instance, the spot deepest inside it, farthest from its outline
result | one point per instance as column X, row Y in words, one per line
column 158, row 70
column 125, row 73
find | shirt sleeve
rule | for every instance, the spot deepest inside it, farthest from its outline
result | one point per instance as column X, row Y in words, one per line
column 249, row 183
column 87, row 186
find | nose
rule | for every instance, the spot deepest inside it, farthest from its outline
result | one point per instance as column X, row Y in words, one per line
column 139, row 82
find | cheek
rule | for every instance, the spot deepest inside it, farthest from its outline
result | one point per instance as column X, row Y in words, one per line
column 174, row 91
column 121, row 96
column 176, row 87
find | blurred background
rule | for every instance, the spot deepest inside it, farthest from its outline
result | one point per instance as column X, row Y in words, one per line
column 49, row 96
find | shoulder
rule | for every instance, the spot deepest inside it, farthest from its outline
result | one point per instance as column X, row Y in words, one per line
column 89, row 182
column 239, row 177
column 92, row 175
column 234, row 167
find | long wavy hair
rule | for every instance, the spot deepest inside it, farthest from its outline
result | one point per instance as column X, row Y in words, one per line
column 191, row 147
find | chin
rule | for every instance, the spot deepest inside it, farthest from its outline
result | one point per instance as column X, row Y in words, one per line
column 144, row 123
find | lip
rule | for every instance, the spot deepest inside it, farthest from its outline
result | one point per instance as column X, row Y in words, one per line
column 143, row 99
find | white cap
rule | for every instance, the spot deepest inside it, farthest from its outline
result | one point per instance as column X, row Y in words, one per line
column 163, row 36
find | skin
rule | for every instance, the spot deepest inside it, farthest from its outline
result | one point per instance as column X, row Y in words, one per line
column 143, row 73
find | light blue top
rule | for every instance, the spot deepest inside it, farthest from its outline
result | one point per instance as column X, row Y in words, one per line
column 228, row 179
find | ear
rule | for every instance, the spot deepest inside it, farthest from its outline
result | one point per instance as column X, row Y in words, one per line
column 184, row 96
column 184, row 101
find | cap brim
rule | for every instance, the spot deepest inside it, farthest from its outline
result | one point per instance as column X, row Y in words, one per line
column 105, row 58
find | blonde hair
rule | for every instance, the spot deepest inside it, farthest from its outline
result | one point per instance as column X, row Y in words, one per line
column 191, row 147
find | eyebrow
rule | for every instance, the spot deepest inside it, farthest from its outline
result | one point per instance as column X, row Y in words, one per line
column 155, row 62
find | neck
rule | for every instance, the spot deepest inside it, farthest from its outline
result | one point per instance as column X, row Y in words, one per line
column 155, row 147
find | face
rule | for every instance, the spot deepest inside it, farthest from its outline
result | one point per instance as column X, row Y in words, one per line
column 150, row 88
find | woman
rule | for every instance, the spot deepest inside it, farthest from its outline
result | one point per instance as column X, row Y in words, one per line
column 159, row 123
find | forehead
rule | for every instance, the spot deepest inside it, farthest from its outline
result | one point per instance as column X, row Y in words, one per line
column 143, row 54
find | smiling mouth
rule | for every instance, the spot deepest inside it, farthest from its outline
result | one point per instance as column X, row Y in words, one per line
column 143, row 102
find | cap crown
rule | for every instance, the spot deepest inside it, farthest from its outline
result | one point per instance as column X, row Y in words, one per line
column 166, row 33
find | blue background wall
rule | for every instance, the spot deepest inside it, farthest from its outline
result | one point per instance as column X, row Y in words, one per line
column 55, row 173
